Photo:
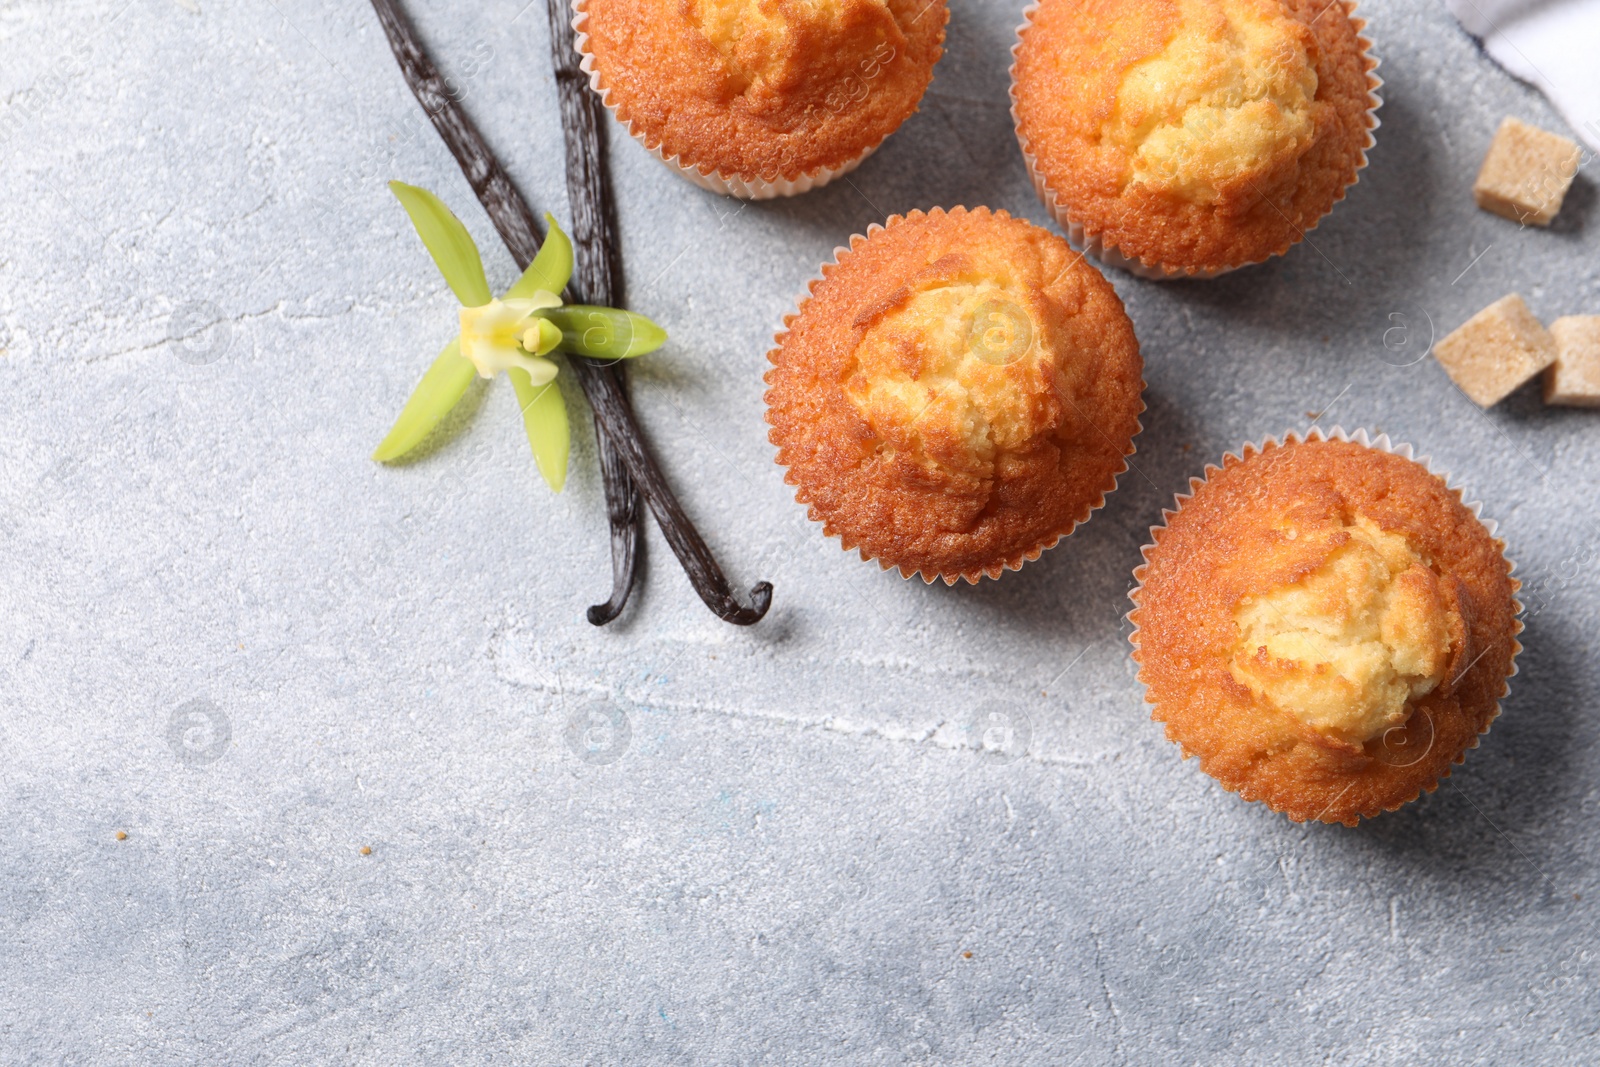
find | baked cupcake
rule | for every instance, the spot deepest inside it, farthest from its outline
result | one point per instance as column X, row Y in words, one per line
column 760, row 98
column 1185, row 138
column 1326, row 625
column 956, row 393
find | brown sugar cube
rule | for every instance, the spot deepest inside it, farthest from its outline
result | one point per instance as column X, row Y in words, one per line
column 1574, row 378
column 1496, row 350
column 1526, row 173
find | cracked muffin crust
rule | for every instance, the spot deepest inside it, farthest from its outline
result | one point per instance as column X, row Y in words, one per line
column 763, row 90
column 1194, row 136
column 1326, row 626
column 956, row 393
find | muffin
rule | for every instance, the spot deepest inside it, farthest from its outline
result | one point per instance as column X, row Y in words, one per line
column 1326, row 626
column 760, row 98
column 956, row 393
column 1185, row 138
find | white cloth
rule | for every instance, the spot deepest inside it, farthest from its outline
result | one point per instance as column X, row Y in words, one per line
column 1552, row 44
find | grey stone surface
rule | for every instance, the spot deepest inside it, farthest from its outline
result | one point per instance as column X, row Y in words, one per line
column 228, row 634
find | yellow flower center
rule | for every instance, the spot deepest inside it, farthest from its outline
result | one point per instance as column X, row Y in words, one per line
column 497, row 336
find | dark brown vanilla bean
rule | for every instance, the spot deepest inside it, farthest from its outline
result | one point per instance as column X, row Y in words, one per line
column 520, row 232
column 596, row 279
column 596, row 256
column 625, row 516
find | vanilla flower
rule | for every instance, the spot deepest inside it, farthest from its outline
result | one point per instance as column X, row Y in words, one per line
column 512, row 334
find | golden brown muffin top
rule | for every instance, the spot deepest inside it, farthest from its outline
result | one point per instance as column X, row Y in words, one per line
column 1194, row 133
column 1326, row 626
column 956, row 393
column 763, row 89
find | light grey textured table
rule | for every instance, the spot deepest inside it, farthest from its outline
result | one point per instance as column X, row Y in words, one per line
column 800, row 853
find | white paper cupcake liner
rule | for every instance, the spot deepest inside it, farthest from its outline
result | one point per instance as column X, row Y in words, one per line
column 1093, row 243
column 1381, row 443
column 845, row 543
column 705, row 177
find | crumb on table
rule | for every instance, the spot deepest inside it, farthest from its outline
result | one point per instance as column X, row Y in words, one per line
column 1526, row 173
column 1574, row 378
column 1496, row 350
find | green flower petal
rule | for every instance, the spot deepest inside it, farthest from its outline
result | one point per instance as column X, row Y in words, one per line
column 544, row 419
column 447, row 241
column 605, row 333
column 551, row 269
column 433, row 397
